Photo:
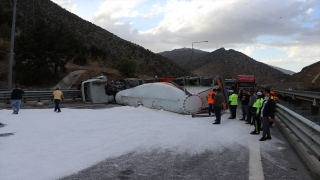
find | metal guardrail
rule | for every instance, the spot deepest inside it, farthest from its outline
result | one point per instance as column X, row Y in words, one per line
column 294, row 92
column 302, row 92
column 39, row 95
column 306, row 131
column 310, row 96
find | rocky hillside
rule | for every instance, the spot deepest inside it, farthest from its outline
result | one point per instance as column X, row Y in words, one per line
column 307, row 79
column 228, row 63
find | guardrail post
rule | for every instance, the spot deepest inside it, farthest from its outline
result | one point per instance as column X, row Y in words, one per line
column 315, row 111
column 297, row 102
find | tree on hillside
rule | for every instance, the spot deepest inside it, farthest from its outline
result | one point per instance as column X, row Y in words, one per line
column 5, row 30
column 42, row 52
column 4, row 34
column 128, row 67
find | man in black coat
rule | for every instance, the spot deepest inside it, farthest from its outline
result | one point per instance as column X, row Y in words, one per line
column 16, row 96
column 267, row 113
column 244, row 104
column 218, row 100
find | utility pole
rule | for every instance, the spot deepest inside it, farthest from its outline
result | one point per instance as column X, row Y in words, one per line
column 190, row 64
column 25, row 7
column 12, row 44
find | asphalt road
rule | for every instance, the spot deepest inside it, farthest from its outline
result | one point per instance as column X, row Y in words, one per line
column 256, row 161
column 227, row 163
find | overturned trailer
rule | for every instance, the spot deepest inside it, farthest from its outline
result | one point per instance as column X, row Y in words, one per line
column 162, row 95
column 93, row 90
column 172, row 97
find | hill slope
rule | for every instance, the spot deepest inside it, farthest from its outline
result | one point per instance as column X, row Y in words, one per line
column 116, row 49
column 307, row 79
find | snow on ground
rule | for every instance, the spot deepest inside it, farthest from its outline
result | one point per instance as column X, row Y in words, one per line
column 49, row 145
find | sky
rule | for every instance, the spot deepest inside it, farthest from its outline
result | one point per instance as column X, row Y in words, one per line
column 282, row 33
column 49, row 145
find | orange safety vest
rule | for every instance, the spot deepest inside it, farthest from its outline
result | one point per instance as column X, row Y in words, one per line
column 273, row 96
column 210, row 100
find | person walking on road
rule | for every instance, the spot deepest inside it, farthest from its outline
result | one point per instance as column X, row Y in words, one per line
column 233, row 102
column 267, row 113
column 218, row 100
column 16, row 96
column 57, row 96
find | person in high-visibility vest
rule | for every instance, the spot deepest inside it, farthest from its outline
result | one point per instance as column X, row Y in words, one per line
column 256, row 110
column 211, row 95
column 233, row 102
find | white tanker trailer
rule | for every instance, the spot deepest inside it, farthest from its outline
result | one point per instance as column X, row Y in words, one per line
column 163, row 95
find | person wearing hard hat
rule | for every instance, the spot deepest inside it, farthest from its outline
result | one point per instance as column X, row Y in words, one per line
column 233, row 102
column 256, row 110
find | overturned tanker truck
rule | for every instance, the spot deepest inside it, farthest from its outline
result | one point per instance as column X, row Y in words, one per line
column 170, row 96
column 185, row 95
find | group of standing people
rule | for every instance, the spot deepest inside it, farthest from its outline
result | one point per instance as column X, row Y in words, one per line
column 258, row 108
column 17, row 93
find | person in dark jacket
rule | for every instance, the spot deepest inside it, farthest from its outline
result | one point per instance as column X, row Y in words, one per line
column 267, row 112
column 244, row 104
column 16, row 96
column 252, row 99
column 218, row 100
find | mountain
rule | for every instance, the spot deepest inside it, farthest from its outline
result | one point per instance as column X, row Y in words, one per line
column 307, row 79
column 183, row 56
column 115, row 48
column 228, row 63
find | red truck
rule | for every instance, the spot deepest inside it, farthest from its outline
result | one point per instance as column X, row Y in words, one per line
column 246, row 81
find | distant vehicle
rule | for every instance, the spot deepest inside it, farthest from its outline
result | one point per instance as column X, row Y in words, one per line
column 230, row 83
column 245, row 82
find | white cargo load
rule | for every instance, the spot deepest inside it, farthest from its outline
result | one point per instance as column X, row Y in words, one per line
column 165, row 96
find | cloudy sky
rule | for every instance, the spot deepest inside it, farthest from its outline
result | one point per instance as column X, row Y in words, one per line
column 282, row 33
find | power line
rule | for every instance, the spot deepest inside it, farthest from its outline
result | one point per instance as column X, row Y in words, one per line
column 260, row 10
column 266, row 23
